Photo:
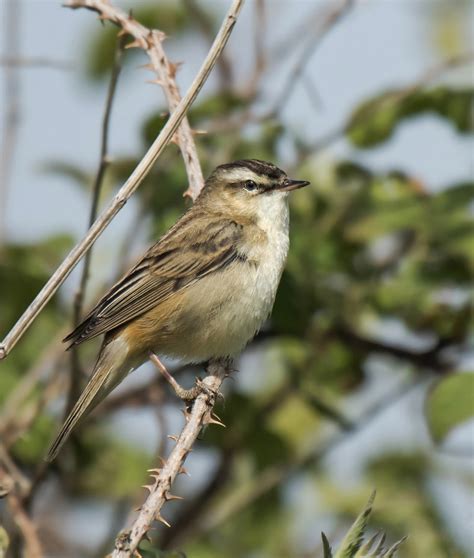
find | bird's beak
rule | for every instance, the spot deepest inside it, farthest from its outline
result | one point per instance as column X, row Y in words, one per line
column 290, row 185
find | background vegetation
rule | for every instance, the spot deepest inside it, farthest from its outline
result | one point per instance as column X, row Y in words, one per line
column 373, row 310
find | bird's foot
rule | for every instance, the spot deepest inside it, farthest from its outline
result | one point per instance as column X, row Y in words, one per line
column 187, row 395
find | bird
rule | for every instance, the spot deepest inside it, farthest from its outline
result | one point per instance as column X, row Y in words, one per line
column 202, row 291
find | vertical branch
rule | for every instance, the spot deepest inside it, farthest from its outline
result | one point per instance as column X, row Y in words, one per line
column 11, row 104
column 96, row 192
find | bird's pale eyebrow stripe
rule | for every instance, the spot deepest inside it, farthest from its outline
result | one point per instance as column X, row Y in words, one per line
column 241, row 174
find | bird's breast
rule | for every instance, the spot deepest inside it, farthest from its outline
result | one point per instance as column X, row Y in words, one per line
column 218, row 314
column 227, row 308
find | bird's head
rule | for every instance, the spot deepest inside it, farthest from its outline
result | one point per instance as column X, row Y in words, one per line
column 248, row 186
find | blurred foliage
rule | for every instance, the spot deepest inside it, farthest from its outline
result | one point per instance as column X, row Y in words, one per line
column 450, row 29
column 450, row 404
column 367, row 248
column 24, row 268
column 4, row 542
column 376, row 119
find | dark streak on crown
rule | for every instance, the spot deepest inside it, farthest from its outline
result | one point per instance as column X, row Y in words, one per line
column 261, row 168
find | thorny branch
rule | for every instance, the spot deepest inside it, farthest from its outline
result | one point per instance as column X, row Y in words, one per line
column 130, row 186
column 151, row 41
column 200, row 414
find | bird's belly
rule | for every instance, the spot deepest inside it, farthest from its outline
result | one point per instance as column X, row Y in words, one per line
column 225, row 314
column 221, row 313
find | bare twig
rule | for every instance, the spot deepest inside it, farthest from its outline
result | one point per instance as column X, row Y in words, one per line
column 12, row 107
column 96, row 192
column 34, row 62
column 200, row 414
column 127, row 189
column 21, row 483
column 26, row 527
column 151, row 42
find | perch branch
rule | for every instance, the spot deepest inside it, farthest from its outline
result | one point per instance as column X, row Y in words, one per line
column 133, row 182
column 151, row 41
column 200, row 414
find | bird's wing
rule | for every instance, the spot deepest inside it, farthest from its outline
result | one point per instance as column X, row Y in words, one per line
column 180, row 258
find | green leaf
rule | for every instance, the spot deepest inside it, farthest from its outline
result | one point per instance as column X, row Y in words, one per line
column 326, row 547
column 353, row 540
column 449, row 404
column 364, row 550
column 391, row 551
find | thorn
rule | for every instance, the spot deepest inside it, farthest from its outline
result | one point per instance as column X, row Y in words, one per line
column 183, row 471
column 147, row 536
column 149, row 487
column 122, row 33
column 139, row 509
column 199, row 132
column 169, row 497
column 172, row 437
column 134, row 44
column 156, row 82
column 148, row 66
column 173, row 68
column 159, row 517
column 211, row 418
column 102, row 17
column 158, row 469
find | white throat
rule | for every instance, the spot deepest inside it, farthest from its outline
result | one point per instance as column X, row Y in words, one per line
column 272, row 214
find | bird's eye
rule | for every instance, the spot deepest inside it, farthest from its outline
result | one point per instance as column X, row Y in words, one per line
column 250, row 185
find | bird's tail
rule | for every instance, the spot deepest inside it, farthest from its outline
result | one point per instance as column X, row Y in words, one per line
column 111, row 368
